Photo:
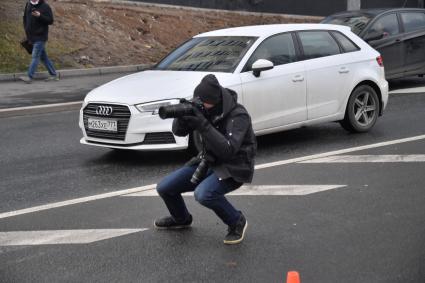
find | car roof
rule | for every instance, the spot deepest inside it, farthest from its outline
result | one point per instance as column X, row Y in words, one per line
column 374, row 12
column 267, row 30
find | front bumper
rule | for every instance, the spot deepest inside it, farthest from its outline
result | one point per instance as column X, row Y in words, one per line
column 144, row 132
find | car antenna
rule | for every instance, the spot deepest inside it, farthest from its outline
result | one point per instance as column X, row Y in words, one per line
column 404, row 5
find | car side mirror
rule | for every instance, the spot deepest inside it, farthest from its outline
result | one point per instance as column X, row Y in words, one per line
column 261, row 65
column 375, row 35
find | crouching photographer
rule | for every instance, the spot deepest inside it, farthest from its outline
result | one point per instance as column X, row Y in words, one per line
column 224, row 164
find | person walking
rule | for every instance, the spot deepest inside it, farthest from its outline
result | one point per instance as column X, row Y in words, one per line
column 229, row 149
column 37, row 18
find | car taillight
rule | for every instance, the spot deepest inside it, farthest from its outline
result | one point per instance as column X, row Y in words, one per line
column 380, row 61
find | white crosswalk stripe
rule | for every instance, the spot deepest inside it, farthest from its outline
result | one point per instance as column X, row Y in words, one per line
column 368, row 158
column 262, row 190
column 55, row 237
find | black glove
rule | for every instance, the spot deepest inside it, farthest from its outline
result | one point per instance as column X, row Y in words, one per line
column 197, row 121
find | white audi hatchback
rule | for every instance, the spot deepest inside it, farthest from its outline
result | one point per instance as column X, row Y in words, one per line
column 287, row 76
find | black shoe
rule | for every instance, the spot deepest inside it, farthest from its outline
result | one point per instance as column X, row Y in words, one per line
column 237, row 232
column 168, row 222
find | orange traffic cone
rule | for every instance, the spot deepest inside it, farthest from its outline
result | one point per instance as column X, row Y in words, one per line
column 293, row 277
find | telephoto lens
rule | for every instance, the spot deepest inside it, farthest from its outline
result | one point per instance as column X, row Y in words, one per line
column 200, row 172
column 175, row 111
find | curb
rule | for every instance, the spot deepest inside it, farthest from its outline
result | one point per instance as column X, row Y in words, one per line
column 79, row 72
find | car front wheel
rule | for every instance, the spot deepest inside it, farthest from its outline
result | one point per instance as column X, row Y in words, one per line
column 362, row 110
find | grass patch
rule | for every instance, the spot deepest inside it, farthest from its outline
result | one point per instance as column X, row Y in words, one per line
column 13, row 58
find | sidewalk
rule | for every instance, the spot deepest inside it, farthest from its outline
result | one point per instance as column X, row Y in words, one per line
column 39, row 92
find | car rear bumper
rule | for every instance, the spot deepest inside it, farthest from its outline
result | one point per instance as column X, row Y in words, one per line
column 383, row 86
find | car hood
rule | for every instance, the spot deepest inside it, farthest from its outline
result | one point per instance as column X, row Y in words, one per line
column 149, row 86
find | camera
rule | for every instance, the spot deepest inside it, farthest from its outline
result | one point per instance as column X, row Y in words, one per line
column 184, row 108
column 200, row 172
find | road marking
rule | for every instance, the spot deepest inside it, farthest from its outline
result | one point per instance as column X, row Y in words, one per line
column 79, row 103
column 368, row 158
column 261, row 190
column 39, row 109
column 151, row 187
column 408, row 90
column 55, row 237
column 74, row 201
column 337, row 152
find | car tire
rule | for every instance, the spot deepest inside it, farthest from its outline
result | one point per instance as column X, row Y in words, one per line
column 195, row 143
column 362, row 110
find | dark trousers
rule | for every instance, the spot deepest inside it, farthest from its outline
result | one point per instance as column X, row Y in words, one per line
column 210, row 193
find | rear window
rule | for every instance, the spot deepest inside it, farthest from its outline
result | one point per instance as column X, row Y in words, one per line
column 357, row 22
column 318, row 44
column 413, row 21
column 345, row 42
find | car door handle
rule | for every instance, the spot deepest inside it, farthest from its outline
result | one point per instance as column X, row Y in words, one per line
column 343, row 70
column 297, row 78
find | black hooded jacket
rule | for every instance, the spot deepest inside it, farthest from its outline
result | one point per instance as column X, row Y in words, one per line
column 230, row 140
column 37, row 28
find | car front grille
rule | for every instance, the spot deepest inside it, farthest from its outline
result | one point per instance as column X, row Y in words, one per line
column 159, row 138
column 120, row 113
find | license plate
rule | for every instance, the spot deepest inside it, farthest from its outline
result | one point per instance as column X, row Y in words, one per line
column 107, row 125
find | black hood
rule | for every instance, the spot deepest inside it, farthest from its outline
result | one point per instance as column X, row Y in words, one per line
column 229, row 101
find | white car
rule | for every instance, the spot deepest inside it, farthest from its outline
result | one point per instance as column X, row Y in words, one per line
column 287, row 76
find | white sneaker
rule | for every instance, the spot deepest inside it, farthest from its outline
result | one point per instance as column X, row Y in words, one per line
column 52, row 78
column 26, row 79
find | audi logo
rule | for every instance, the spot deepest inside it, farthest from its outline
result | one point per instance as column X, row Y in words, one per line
column 104, row 110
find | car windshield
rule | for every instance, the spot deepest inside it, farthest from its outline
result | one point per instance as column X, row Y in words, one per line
column 356, row 22
column 212, row 54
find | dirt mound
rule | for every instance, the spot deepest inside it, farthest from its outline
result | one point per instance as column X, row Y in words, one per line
column 104, row 33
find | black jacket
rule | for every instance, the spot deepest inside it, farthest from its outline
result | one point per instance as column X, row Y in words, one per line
column 37, row 28
column 230, row 140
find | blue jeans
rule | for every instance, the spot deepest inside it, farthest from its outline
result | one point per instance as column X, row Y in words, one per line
column 210, row 193
column 39, row 52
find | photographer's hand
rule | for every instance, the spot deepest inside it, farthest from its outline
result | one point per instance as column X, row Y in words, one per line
column 190, row 121
column 36, row 13
column 197, row 121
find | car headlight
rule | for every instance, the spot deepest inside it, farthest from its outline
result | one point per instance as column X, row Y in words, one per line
column 153, row 107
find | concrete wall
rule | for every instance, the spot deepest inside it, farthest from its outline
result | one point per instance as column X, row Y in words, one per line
column 299, row 7
column 388, row 3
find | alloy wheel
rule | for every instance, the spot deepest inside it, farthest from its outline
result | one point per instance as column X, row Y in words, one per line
column 364, row 109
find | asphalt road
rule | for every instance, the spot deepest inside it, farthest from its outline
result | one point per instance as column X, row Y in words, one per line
column 370, row 230
column 42, row 160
